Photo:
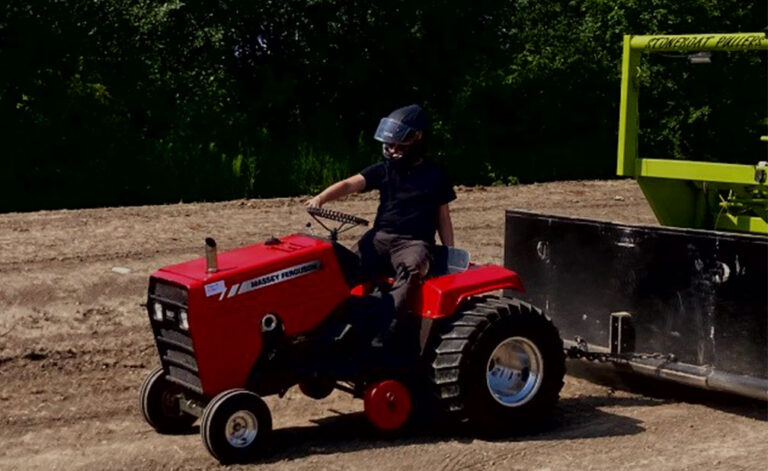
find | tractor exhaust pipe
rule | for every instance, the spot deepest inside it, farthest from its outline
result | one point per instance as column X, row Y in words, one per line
column 211, row 260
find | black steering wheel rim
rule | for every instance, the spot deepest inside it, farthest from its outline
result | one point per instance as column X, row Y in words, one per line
column 337, row 216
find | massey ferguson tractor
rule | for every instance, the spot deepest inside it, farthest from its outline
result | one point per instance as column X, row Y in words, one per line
column 234, row 327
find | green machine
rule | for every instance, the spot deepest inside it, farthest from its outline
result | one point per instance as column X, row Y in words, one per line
column 701, row 195
column 686, row 301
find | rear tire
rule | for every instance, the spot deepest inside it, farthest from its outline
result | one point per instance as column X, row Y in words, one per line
column 498, row 364
column 235, row 426
column 159, row 402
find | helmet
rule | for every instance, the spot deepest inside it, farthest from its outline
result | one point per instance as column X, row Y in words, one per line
column 401, row 128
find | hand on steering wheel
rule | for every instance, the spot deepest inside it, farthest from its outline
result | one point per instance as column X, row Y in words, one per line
column 313, row 202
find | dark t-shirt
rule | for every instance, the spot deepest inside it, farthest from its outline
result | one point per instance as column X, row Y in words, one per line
column 408, row 200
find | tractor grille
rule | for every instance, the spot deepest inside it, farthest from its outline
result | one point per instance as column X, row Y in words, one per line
column 174, row 344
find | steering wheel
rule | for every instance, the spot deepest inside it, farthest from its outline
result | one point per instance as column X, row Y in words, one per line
column 337, row 216
column 343, row 218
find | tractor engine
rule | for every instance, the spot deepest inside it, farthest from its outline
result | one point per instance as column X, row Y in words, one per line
column 208, row 318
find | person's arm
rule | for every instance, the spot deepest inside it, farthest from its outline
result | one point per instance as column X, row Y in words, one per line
column 444, row 225
column 338, row 190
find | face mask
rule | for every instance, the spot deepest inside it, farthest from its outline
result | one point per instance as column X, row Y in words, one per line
column 405, row 159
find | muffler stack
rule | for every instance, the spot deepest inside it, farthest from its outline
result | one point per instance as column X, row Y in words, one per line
column 211, row 260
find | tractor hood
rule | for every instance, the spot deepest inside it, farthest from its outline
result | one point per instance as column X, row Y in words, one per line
column 295, row 281
column 272, row 253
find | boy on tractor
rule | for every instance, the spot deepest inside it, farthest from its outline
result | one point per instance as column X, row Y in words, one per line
column 292, row 311
column 414, row 194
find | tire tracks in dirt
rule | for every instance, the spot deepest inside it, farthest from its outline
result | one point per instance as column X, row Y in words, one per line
column 71, row 363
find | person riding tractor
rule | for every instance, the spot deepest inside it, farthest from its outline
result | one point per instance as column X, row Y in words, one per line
column 300, row 310
column 414, row 197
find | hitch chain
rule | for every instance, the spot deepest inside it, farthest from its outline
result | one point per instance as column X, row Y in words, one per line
column 581, row 350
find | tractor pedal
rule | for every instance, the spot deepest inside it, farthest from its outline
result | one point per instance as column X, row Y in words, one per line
column 386, row 336
column 343, row 333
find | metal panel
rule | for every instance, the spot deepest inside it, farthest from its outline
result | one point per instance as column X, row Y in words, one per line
column 700, row 295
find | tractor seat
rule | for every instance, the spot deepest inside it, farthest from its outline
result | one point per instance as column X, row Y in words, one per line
column 448, row 260
column 445, row 261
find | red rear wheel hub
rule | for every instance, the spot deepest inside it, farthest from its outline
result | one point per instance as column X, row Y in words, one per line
column 387, row 404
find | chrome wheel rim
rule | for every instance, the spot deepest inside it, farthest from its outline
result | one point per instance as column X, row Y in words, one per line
column 242, row 429
column 514, row 372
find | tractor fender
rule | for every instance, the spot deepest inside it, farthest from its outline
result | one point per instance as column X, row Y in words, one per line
column 441, row 296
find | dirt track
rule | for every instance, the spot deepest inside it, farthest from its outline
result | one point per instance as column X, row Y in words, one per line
column 75, row 345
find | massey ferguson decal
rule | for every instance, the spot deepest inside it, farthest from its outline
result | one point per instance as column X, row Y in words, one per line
column 272, row 278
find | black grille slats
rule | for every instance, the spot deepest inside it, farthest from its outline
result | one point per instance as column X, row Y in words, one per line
column 177, row 337
column 174, row 294
column 173, row 344
column 185, row 378
column 181, row 359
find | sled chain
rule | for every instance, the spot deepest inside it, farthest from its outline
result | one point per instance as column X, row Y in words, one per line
column 581, row 350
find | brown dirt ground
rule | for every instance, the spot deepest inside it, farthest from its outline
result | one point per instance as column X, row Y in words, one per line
column 75, row 345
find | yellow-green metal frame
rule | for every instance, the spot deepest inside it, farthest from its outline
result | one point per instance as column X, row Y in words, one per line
column 688, row 193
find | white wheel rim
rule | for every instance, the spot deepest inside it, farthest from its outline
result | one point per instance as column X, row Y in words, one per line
column 241, row 429
column 514, row 371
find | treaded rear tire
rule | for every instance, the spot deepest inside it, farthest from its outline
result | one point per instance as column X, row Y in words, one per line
column 461, row 360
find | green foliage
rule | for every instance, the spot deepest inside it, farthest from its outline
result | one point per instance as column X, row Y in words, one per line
column 112, row 102
column 498, row 179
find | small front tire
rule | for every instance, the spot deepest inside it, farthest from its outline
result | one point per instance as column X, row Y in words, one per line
column 235, row 426
column 159, row 402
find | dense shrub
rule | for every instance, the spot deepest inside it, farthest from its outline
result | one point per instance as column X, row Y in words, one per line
column 113, row 102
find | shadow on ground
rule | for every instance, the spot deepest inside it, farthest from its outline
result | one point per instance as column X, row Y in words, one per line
column 346, row 433
column 606, row 375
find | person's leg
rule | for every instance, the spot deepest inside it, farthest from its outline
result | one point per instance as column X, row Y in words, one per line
column 372, row 254
column 411, row 259
column 373, row 249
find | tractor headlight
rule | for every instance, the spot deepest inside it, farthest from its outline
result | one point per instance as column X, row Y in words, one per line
column 157, row 314
column 183, row 320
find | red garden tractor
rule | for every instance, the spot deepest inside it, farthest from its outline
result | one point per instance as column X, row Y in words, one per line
column 233, row 327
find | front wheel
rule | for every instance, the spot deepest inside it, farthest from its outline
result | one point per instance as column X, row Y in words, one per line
column 235, row 426
column 499, row 365
column 159, row 402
